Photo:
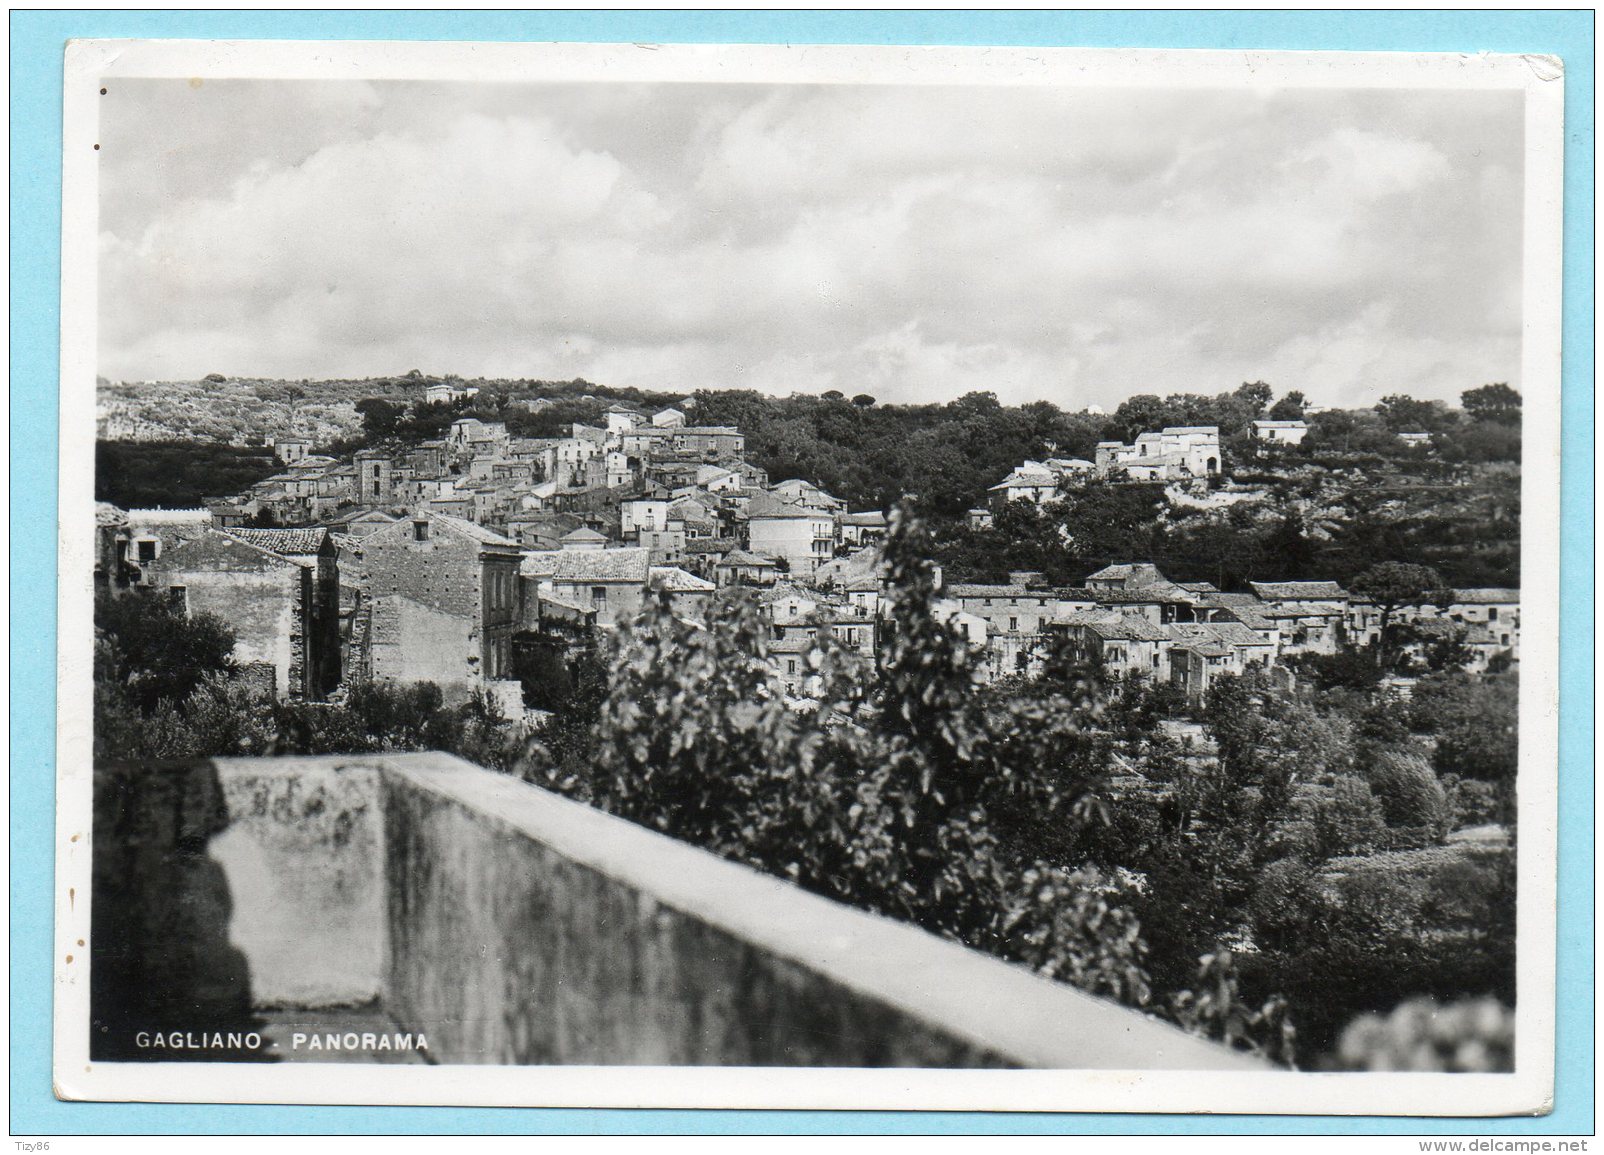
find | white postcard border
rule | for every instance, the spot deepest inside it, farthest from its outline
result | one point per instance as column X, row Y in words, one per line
column 1527, row 1091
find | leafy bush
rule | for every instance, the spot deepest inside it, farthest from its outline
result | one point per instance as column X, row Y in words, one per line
column 1349, row 819
column 1076, row 926
column 156, row 653
column 1214, row 1007
column 1473, row 802
column 1424, row 1035
column 1283, row 902
column 1408, row 790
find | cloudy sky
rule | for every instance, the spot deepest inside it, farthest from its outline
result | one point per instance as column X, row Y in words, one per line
column 1074, row 245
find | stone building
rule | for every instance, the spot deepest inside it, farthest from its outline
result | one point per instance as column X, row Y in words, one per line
column 610, row 583
column 1281, row 432
column 289, row 450
column 147, row 533
column 269, row 601
column 782, row 531
column 717, row 441
column 374, row 483
column 315, row 547
column 1310, row 615
column 441, row 606
column 1176, row 452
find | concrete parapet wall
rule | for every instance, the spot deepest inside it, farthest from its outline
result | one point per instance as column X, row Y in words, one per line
column 514, row 926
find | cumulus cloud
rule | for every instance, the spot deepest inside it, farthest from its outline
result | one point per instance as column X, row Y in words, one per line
column 1074, row 245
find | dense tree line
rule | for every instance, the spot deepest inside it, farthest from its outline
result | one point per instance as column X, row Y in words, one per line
column 175, row 474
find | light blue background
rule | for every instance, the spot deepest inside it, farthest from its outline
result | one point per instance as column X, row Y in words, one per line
column 36, row 83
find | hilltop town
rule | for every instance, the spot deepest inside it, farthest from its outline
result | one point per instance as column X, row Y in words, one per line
column 466, row 560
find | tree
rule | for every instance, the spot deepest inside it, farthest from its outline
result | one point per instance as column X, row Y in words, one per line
column 157, row 653
column 832, row 395
column 1289, row 408
column 1255, row 395
column 379, row 417
column 1391, row 584
column 1409, row 792
column 1496, row 402
column 1404, row 414
column 863, row 401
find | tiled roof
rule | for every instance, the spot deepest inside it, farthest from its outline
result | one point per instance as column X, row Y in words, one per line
column 1153, row 460
column 631, row 564
column 1246, row 608
column 1487, row 597
column 740, row 557
column 1119, row 627
column 284, row 541
column 766, row 505
column 676, row 580
column 710, row 545
column 1151, row 593
column 783, row 590
column 1298, row 591
column 1231, row 633
column 108, row 514
column 539, row 563
column 800, row 643
column 584, row 534
column 979, row 590
column 471, row 530
column 872, row 518
column 1132, row 573
column 1026, row 477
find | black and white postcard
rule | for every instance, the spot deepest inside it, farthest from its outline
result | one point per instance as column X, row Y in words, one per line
column 826, row 577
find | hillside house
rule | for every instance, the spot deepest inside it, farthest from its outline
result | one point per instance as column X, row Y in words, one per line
column 709, row 441
column 1201, row 652
column 642, row 514
column 289, row 450
column 1031, row 482
column 1124, row 576
column 622, row 418
column 669, row 418
column 1015, row 616
column 667, row 546
column 739, row 567
column 270, row 602
column 862, row 529
column 1176, row 452
column 374, row 477
column 1311, row 615
column 1497, row 609
column 611, row 583
column 688, row 594
column 147, row 533
column 784, row 532
column 1280, row 432
column 442, row 605
column 444, row 394
column 1120, row 643
column 469, row 433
